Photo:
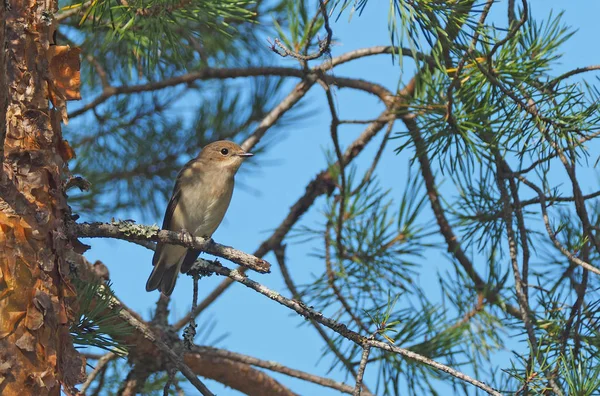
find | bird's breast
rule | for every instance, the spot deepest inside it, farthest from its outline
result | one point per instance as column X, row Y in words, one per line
column 206, row 203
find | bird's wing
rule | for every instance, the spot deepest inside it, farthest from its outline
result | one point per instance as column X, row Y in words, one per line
column 170, row 222
column 182, row 177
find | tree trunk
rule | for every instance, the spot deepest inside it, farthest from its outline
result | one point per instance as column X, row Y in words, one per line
column 36, row 351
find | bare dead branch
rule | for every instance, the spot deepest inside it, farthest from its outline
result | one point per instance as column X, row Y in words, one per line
column 226, row 73
column 378, row 50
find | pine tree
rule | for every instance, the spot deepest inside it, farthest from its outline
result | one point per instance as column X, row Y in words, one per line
column 484, row 121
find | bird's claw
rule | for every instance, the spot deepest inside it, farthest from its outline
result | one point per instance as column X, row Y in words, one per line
column 186, row 237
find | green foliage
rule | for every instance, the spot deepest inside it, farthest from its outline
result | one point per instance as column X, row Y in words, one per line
column 423, row 24
column 150, row 29
column 491, row 114
column 97, row 322
column 302, row 27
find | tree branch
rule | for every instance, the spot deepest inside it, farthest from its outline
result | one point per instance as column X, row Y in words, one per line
column 572, row 258
column 134, row 232
column 324, row 45
column 293, row 97
column 361, row 370
column 226, row 73
column 273, row 366
column 280, row 256
column 100, row 366
column 339, row 328
column 147, row 346
column 452, row 241
column 238, row 375
column 164, row 348
column 572, row 73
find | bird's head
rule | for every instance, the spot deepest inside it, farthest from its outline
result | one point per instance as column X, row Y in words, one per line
column 224, row 155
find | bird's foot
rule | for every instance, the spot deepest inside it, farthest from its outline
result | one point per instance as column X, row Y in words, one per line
column 186, row 237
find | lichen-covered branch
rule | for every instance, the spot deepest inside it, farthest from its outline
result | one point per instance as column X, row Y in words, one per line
column 135, row 232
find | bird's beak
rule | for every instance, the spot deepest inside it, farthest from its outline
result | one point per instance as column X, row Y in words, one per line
column 245, row 155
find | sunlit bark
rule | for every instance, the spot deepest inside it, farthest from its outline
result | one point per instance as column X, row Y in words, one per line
column 36, row 352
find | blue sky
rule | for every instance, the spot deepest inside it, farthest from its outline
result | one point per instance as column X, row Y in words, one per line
column 256, row 325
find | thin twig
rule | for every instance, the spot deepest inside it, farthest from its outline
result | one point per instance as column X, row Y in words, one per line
column 572, row 258
column 513, row 29
column 189, row 333
column 461, row 64
column 324, row 45
column 361, row 370
column 369, row 173
column 100, row 386
column 331, row 282
column 366, row 121
column 341, row 166
column 525, row 310
column 512, row 16
column 573, row 72
column 170, row 380
column 100, row 365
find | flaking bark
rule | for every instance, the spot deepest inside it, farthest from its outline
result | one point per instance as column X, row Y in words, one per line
column 36, row 351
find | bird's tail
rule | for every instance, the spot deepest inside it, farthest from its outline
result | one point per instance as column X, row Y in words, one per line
column 167, row 260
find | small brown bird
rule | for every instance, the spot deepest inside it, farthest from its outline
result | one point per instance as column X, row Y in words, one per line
column 200, row 199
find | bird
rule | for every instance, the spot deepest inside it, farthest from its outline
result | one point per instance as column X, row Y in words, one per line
column 200, row 198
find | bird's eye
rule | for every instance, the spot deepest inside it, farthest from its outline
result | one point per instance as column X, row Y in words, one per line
column 224, row 151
